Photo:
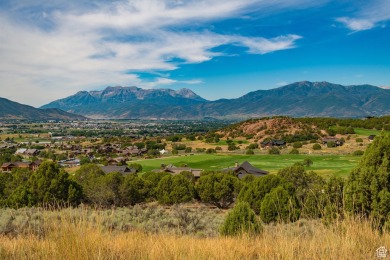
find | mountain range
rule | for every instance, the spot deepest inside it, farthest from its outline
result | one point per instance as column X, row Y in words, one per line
column 13, row 110
column 300, row 99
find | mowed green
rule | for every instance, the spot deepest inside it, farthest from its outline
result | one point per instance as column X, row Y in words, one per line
column 367, row 132
column 326, row 166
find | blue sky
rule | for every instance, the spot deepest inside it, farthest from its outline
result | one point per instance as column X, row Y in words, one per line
column 218, row 48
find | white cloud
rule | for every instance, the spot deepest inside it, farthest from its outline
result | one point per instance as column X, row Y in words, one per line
column 370, row 15
column 356, row 24
column 67, row 48
column 263, row 46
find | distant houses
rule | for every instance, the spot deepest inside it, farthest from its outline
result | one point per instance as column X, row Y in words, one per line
column 69, row 163
column 7, row 167
column 336, row 141
column 272, row 143
column 27, row 152
column 120, row 169
column 177, row 170
column 239, row 170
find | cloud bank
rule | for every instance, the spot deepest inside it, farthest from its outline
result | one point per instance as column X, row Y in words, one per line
column 58, row 48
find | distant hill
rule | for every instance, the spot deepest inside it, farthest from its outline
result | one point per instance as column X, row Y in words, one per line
column 301, row 99
column 13, row 110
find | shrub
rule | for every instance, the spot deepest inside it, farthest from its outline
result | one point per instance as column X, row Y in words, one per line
column 219, row 189
column 154, row 178
column 248, row 178
column 367, row 181
column 278, row 205
column 305, row 183
column 174, row 189
column 241, row 219
column 253, row 146
column 136, row 166
column 250, row 152
column 255, row 191
column 297, row 145
column 50, row 184
column 274, row 150
column 307, row 162
column 317, row 147
column 358, row 153
column 210, row 150
column 359, row 140
column 331, row 144
column 294, row 151
column 133, row 190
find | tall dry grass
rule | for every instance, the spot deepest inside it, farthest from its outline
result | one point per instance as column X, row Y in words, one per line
column 70, row 237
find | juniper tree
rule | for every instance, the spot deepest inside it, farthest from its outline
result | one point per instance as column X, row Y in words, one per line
column 368, row 184
column 241, row 219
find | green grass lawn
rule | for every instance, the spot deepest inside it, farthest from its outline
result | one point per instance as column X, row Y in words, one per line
column 326, row 166
column 367, row 132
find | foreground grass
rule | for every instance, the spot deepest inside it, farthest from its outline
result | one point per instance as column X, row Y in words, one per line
column 70, row 237
column 325, row 165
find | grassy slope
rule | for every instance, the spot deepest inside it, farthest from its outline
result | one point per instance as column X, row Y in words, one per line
column 78, row 238
column 325, row 165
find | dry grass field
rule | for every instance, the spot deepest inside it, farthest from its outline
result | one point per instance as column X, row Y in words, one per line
column 70, row 237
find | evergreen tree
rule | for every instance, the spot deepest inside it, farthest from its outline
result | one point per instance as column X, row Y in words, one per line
column 254, row 192
column 219, row 189
column 279, row 205
column 133, row 190
column 175, row 189
column 368, row 184
column 50, row 184
column 241, row 219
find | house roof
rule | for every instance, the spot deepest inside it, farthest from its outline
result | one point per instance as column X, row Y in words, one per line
column 121, row 169
column 177, row 170
column 247, row 167
column 21, row 151
column 16, row 164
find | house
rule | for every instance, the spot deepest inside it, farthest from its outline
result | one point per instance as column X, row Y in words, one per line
column 69, row 163
column 335, row 140
column 271, row 143
column 177, row 170
column 371, row 138
column 134, row 151
column 31, row 152
column 121, row 169
column 245, row 169
column 20, row 151
column 117, row 161
column 7, row 167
